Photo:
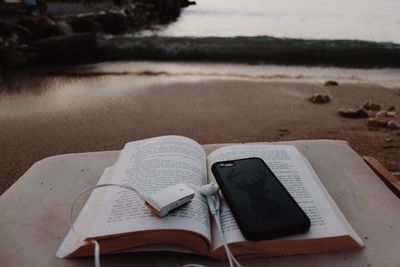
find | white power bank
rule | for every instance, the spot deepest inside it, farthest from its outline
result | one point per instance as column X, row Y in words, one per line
column 170, row 198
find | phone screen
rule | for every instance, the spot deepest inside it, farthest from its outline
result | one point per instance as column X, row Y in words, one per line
column 260, row 204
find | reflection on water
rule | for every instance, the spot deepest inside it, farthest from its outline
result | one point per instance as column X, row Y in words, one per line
column 373, row 20
column 189, row 71
column 54, row 96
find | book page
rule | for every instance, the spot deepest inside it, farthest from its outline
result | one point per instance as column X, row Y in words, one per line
column 289, row 166
column 150, row 165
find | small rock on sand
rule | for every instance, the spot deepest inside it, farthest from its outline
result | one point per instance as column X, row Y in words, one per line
column 369, row 105
column 380, row 114
column 391, row 112
column 318, row 98
column 393, row 125
column 376, row 123
column 331, row 83
column 353, row 113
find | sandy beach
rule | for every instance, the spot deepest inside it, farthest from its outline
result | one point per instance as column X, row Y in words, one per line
column 46, row 116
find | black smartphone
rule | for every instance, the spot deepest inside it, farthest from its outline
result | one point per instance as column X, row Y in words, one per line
column 261, row 205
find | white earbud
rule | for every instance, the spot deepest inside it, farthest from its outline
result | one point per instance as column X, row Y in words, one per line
column 210, row 191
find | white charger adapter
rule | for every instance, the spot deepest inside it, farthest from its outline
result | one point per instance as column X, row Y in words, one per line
column 165, row 200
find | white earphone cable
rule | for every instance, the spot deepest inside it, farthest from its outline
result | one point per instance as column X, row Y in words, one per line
column 215, row 212
column 211, row 192
column 72, row 221
column 231, row 257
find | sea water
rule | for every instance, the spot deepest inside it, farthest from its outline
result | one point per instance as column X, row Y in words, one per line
column 372, row 20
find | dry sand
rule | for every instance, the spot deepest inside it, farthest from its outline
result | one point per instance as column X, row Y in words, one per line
column 59, row 115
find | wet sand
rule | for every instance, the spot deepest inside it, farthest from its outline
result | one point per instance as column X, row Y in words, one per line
column 56, row 115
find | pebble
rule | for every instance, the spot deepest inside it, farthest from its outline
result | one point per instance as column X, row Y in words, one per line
column 376, row 123
column 351, row 113
column 393, row 125
column 391, row 112
column 318, row 98
column 381, row 114
column 369, row 105
column 331, row 83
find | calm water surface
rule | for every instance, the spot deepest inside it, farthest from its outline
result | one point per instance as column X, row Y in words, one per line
column 373, row 20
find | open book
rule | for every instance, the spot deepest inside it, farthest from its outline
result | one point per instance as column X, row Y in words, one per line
column 119, row 220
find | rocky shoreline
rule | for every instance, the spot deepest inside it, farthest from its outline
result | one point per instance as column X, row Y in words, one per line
column 28, row 41
column 75, row 39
